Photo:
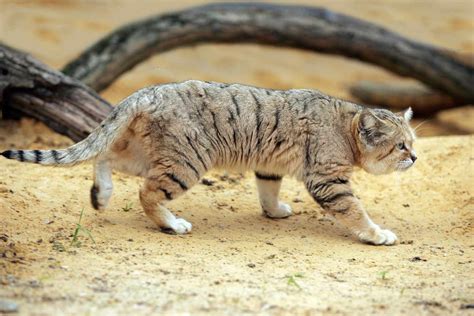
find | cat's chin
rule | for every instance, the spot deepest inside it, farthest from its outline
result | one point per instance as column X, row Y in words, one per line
column 404, row 165
column 377, row 171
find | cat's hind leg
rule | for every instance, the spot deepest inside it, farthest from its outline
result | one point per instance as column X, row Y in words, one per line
column 101, row 190
column 165, row 182
column 268, row 189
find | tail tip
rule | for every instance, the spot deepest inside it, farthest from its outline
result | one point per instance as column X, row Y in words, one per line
column 7, row 154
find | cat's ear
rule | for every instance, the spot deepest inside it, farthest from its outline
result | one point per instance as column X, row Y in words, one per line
column 373, row 130
column 408, row 114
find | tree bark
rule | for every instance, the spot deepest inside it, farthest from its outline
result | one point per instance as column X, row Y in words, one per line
column 310, row 28
column 28, row 87
column 422, row 100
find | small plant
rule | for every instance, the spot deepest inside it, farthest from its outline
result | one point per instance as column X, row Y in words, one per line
column 127, row 208
column 292, row 280
column 383, row 275
column 79, row 228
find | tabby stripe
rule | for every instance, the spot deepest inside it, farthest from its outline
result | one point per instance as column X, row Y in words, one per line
column 276, row 148
column 277, row 120
column 177, row 180
column 243, row 142
column 55, row 155
column 307, row 154
column 113, row 116
column 205, row 92
column 278, row 144
column 159, row 162
column 212, row 140
column 184, row 159
column 309, row 101
column 332, row 198
column 386, row 155
column 236, row 104
column 181, row 96
column 234, row 136
column 268, row 177
column 318, row 187
column 214, row 123
column 258, row 117
column 232, row 117
column 220, row 85
column 220, row 135
column 38, row 156
column 342, row 210
column 305, row 106
column 167, row 194
column 231, row 121
column 196, row 152
column 7, row 154
column 21, row 155
column 192, row 168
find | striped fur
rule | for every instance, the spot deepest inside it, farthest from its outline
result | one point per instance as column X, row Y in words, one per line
column 172, row 134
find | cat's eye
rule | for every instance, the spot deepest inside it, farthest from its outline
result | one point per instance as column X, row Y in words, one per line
column 401, row 146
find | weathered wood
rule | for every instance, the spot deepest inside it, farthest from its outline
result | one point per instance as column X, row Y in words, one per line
column 310, row 28
column 400, row 96
column 29, row 87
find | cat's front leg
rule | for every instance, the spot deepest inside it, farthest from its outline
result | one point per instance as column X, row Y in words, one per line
column 268, row 189
column 335, row 195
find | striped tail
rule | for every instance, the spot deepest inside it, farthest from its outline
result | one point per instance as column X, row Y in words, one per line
column 97, row 143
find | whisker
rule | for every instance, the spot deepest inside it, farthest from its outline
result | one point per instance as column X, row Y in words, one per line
column 419, row 125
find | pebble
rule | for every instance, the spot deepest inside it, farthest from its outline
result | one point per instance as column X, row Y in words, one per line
column 8, row 306
column 417, row 258
column 207, row 182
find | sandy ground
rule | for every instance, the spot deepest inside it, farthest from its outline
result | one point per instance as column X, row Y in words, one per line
column 236, row 261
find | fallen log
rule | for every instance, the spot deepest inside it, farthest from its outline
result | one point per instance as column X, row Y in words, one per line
column 30, row 88
column 309, row 28
column 422, row 100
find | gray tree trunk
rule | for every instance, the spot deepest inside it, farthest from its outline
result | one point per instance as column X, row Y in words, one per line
column 309, row 28
column 28, row 87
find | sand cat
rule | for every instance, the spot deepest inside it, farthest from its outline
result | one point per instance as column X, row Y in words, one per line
column 173, row 134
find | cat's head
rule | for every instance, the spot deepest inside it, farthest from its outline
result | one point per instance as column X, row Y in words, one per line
column 385, row 141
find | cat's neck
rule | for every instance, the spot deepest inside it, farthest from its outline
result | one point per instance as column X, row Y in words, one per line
column 353, row 131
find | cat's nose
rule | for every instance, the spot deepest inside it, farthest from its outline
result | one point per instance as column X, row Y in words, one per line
column 413, row 157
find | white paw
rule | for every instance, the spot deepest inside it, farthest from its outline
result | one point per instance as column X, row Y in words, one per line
column 179, row 226
column 378, row 236
column 283, row 210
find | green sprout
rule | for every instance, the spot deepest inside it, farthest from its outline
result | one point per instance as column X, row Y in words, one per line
column 291, row 280
column 127, row 208
column 79, row 228
column 383, row 275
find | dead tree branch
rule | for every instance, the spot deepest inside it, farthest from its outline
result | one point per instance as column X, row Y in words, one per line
column 309, row 28
column 399, row 96
column 29, row 87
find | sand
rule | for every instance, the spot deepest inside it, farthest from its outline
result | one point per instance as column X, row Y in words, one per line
column 235, row 261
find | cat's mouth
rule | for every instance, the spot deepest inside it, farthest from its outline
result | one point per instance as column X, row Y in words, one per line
column 404, row 164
